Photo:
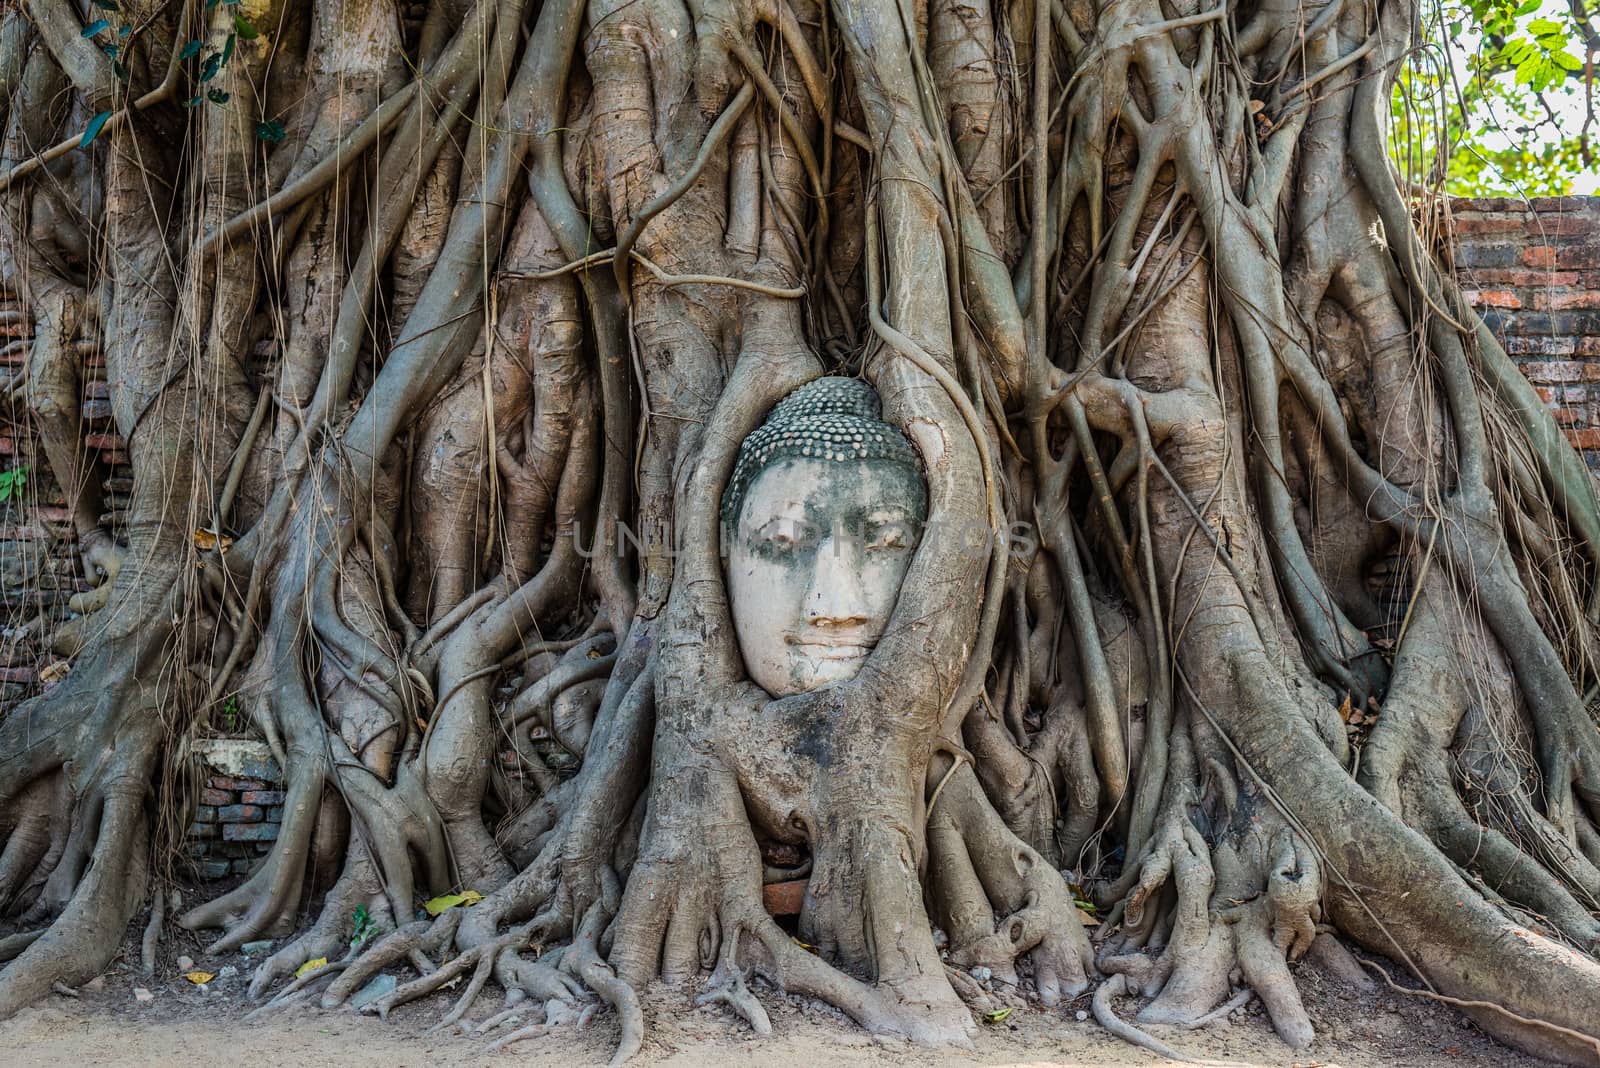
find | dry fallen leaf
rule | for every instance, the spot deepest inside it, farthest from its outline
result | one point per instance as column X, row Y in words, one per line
column 55, row 672
column 199, row 978
column 207, row 539
column 450, row 901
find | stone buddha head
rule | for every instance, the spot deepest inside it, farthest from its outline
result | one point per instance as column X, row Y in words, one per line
column 821, row 520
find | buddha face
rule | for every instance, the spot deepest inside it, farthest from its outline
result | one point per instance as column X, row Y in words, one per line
column 817, row 557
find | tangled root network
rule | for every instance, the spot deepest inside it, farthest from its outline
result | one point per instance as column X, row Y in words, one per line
column 432, row 331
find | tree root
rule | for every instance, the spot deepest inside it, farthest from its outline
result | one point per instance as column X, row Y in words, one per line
column 152, row 933
column 420, row 936
column 1103, row 1012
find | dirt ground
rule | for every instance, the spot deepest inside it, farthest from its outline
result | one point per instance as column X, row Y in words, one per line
column 182, row 1025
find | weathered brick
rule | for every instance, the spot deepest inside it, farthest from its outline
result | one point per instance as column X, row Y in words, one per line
column 1558, row 204
column 249, row 832
column 1536, row 276
column 1562, row 299
column 216, row 797
column 240, row 814
column 1498, row 222
column 261, row 797
column 222, row 782
column 1497, row 254
column 212, row 869
column 1576, row 224
column 1493, row 298
column 784, row 899
column 202, row 830
column 1539, row 256
column 1576, row 257
column 1554, row 371
column 205, row 814
column 275, row 814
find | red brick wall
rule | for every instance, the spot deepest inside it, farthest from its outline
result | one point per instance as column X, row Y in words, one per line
column 1533, row 270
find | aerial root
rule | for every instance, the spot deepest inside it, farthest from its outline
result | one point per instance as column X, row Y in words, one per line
column 152, row 932
column 326, row 971
column 277, row 1003
column 583, row 958
column 967, row 989
column 732, row 992
column 1116, row 986
column 1490, row 1006
column 538, row 1030
column 427, row 984
column 503, row 1016
column 419, row 937
column 12, row 945
column 1333, row 957
column 1238, row 1001
column 480, row 976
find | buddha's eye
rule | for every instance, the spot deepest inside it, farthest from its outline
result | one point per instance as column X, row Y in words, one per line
column 889, row 537
column 782, row 538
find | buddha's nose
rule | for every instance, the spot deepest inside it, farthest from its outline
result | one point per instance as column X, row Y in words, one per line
column 836, row 597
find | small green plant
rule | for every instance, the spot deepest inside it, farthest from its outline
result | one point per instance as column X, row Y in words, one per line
column 232, row 715
column 365, row 928
column 11, row 482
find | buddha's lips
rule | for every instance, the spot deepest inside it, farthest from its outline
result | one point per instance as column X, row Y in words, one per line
column 831, row 650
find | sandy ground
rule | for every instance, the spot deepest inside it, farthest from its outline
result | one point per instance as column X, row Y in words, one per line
column 183, row 1026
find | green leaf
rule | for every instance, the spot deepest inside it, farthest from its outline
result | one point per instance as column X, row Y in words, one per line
column 998, row 1016
column 190, row 50
column 227, row 48
column 93, row 129
column 212, row 3
column 209, row 68
column 110, row 50
column 192, row 102
column 1516, row 51
column 119, row 70
column 217, row 96
column 12, row 481
column 1566, row 61
column 270, row 131
column 242, row 27
column 1529, row 8
column 107, row 5
column 123, row 31
column 1540, row 27
column 95, row 27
